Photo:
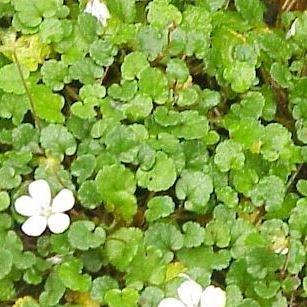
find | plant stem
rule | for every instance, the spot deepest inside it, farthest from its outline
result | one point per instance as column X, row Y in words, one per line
column 36, row 119
column 289, row 184
column 288, row 5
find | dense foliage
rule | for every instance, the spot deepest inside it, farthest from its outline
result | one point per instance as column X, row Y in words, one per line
column 181, row 127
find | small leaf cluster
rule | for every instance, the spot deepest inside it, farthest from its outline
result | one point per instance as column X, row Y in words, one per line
column 180, row 127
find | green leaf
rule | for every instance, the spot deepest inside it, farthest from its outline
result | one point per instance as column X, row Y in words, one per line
column 296, row 257
column 162, row 175
column 267, row 290
column 53, row 292
column 123, row 141
column 124, row 92
column 187, row 97
column 204, row 257
column 228, row 196
column 6, row 262
column 251, row 106
column 51, row 31
column 298, row 218
column 234, row 296
column 92, row 91
column 100, row 286
column 26, row 137
column 240, row 75
column 86, row 71
column 229, row 155
column 270, row 192
column 103, row 52
column 164, row 237
column 47, row 105
column 88, row 25
column 192, row 126
column 193, row 234
column 250, row 10
column 123, row 9
column 55, row 74
column 92, row 260
column 57, row 139
column 9, row 179
column 248, row 133
column 85, row 110
column 276, row 142
column 281, row 75
column 134, row 63
column 122, row 246
column 161, row 14
column 83, row 167
column 138, row 108
column 244, row 180
column 197, row 26
column 116, row 185
column 4, row 200
column 261, row 262
column 165, row 117
column 10, row 80
column 153, row 83
column 151, row 42
column 218, row 233
column 177, row 70
column 159, row 207
column 14, row 106
column 300, row 30
column 70, row 275
column 88, row 195
column 151, row 296
column 195, row 188
column 5, row 221
column 126, row 298
column 7, row 289
column 83, row 235
column 153, row 273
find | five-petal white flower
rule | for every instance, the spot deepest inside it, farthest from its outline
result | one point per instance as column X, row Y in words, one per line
column 213, row 297
column 191, row 294
column 99, row 10
column 42, row 210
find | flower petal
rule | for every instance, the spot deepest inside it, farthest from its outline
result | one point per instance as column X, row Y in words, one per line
column 26, row 206
column 99, row 10
column 171, row 302
column 63, row 201
column 40, row 192
column 190, row 292
column 213, row 297
column 58, row 222
column 34, row 226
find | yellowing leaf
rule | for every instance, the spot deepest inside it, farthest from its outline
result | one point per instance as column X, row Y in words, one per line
column 173, row 270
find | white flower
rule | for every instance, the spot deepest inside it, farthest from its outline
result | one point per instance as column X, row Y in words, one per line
column 292, row 30
column 42, row 211
column 213, row 297
column 191, row 294
column 99, row 10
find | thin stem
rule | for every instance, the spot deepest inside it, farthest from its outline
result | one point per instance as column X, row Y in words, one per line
column 104, row 74
column 36, row 119
column 291, row 303
column 285, row 5
column 288, row 5
column 294, row 176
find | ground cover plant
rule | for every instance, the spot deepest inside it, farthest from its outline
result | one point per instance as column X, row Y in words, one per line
column 147, row 146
